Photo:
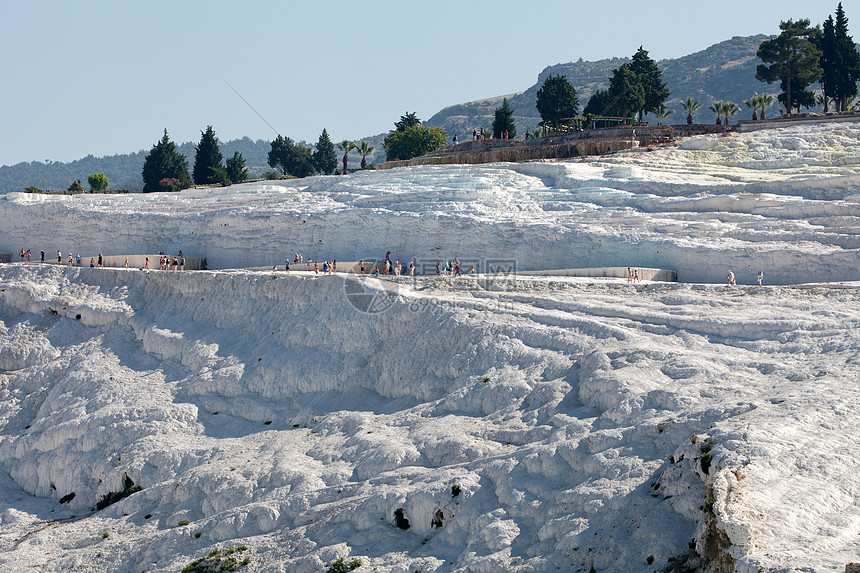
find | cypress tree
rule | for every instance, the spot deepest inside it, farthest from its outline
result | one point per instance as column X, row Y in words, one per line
column 625, row 91
column 236, row 171
column 325, row 159
column 504, row 121
column 654, row 90
column 164, row 162
column 840, row 61
column 208, row 158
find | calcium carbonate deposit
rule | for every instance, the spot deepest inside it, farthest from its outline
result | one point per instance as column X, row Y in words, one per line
column 483, row 423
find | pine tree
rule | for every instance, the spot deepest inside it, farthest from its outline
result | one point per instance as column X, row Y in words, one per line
column 504, row 121
column 654, row 89
column 236, row 171
column 599, row 104
column 208, row 159
column 793, row 57
column 325, row 158
column 407, row 121
column 556, row 101
column 164, row 162
column 291, row 158
column 840, row 61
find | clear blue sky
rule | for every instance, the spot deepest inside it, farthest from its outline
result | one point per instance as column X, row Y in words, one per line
column 104, row 77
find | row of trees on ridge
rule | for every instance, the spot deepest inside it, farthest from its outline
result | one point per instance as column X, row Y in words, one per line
column 800, row 56
column 165, row 169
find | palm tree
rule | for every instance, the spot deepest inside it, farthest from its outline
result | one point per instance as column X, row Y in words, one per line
column 822, row 100
column 717, row 108
column 662, row 113
column 729, row 109
column 364, row 149
column 346, row 146
column 753, row 104
column 764, row 102
column 690, row 106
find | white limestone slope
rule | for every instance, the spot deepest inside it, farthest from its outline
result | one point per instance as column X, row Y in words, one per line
column 272, row 412
column 783, row 202
column 296, row 414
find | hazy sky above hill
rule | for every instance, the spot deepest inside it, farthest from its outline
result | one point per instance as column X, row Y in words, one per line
column 105, row 77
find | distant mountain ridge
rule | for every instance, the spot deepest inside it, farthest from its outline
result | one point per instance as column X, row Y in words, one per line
column 723, row 71
column 122, row 171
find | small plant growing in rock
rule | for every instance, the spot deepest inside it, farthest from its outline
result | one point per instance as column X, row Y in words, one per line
column 183, row 523
column 455, row 490
column 485, row 379
column 219, row 561
column 105, row 534
column 706, row 458
column 693, row 439
column 341, row 566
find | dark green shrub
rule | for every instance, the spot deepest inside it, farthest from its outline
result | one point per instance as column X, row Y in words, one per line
column 341, row 566
column 219, row 561
column 115, row 497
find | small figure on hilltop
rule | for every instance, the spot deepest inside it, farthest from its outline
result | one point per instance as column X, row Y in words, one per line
column 59, row 257
column 730, row 278
column 42, row 254
column 760, row 277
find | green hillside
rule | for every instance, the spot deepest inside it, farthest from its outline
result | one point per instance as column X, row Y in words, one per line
column 723, row 71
